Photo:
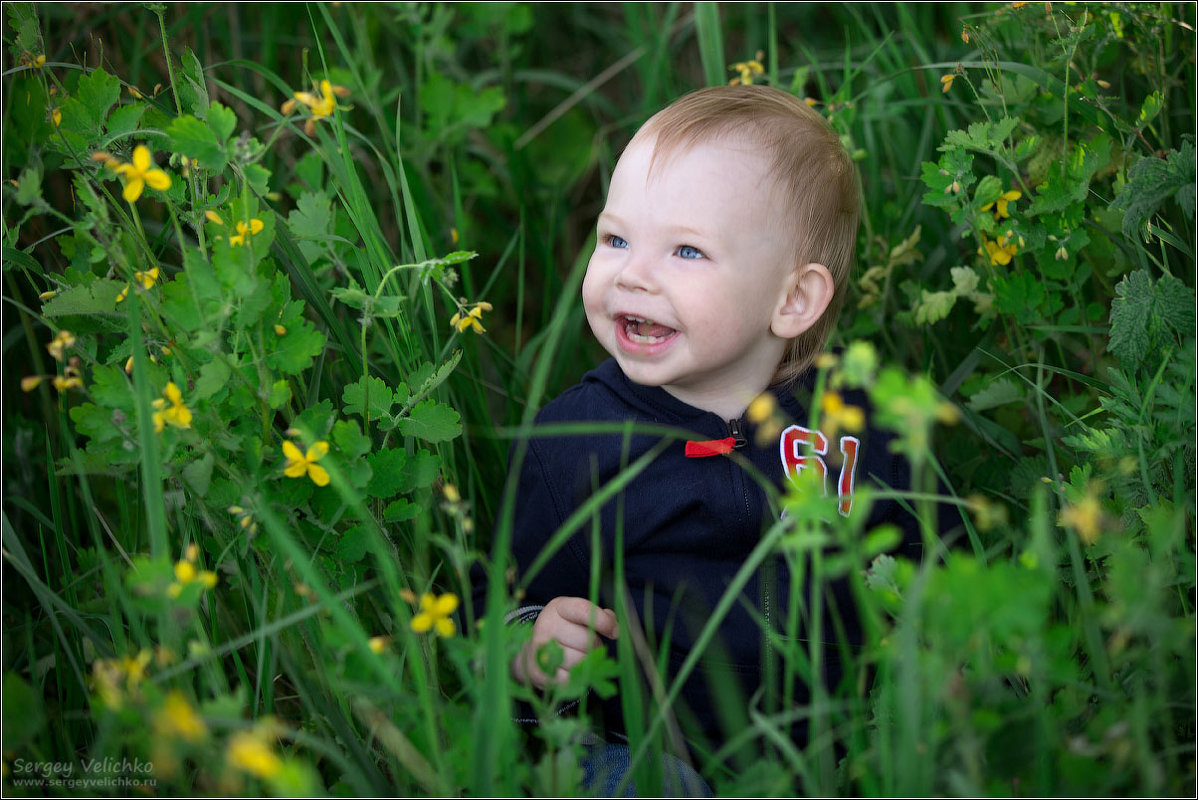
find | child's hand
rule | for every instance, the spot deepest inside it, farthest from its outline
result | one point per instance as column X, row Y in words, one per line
column 572, row 622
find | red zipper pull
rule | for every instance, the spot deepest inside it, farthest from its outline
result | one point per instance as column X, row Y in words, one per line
column 718, row 447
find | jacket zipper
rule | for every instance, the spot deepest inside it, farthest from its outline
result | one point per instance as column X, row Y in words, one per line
column 768, row 580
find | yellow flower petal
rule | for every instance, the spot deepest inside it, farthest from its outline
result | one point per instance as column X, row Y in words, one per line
column 256, row 225
column 446, row 627
column 157, row 179
column 133, row 189
column 141, row 158
column 318, row 474
column 421, row 623
column 173, row 394
column 317, row 451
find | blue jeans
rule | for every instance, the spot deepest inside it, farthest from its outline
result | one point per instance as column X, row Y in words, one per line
column 605, row 765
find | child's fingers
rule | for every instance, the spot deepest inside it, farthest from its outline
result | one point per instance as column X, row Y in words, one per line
column 581, row 611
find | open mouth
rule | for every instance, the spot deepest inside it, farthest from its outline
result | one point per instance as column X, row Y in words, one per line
column 644, row 331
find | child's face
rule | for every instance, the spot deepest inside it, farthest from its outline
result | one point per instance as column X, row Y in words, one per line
column 689, row 271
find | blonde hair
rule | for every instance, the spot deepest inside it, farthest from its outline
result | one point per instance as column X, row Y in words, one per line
column 813, row 174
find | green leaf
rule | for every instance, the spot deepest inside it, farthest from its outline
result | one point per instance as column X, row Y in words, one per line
column 279, row 394
column 348, row 437
column 198, row 474
column 354, row 544
column 24, row 715
column 432, row 421
column 1144, row 313
column 293, row 353
column 997, row 392
column 98, row 297
column 1152, row 181
column 368, row 389
column 214, row 376
column 1020, row 295
column 97, row 92
column 401, row 510
column 1149, row 110
column 258, row 177
column 223, row 121
column 1070, row 183
column 986, row 137
column 29, row 186
column 195, row 139
column 934, row 306
column 111, row 388
column 311, row 217
column 389, row 473
column 124, row 120
column 193, row 90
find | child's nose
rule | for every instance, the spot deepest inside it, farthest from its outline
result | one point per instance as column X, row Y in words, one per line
column 636, row 274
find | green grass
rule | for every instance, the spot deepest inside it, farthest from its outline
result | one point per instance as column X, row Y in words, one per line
column 1054, row 655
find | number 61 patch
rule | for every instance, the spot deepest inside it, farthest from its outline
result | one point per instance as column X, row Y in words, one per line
column 803, row 448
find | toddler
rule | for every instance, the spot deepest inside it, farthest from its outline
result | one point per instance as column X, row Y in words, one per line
column 723, row 254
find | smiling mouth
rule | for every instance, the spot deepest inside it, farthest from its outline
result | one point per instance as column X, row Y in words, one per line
column 645, row 331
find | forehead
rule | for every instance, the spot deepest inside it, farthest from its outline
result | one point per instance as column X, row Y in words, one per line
column 715, row 169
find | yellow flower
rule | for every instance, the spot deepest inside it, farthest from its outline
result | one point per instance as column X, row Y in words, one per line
column 1001, row 211
column 28, row 384
column 56, row 116
column 465, row 320
column 837, row 414
column 946, row 82
column 435, row 614
column 1085, row 517
column 811, row 102
column 140, row 173
column 300, row 464
column 280, row 330
column 1000, row 251
column 114, row 677
column 62, row 340
column 64, row 382
column 378, row 644
column 213, row 217
column 244, row 230
column 178, row 719
column 250, row 753
column 178, row 415
column 748, row 70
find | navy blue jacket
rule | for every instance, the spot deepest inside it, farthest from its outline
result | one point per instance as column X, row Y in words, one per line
column 688, row 524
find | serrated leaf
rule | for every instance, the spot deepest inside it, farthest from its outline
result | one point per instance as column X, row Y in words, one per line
column 996, row 393
column 222, row 120
column 1152, row 181
column 986, row 137
column 98, row 297
column 350, row 440
column 193, row 90
column 198, row 474
column 934, row 306
column 311, row 217
column 1142, row 314
column 279, row 394
column 213, row 377
column 124, row 119
column 432, row 421
column 97, row 92
column 293, row 353
column 111, row 388
column 194, row 138
column 389, row 469
column 258, row 177
column 354, row 544
column 29, row 186
column 965, row 280
column 401, row 510
column 368, row 393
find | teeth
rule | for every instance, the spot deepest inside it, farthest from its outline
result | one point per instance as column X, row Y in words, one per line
column 636, row 337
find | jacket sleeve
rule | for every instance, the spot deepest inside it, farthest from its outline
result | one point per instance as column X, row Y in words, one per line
column 542, row 502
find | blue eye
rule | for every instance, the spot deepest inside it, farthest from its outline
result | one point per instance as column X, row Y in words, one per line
column 686, row 251
column 616, row 241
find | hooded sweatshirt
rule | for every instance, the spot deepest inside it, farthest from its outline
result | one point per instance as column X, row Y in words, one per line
column 686, row 524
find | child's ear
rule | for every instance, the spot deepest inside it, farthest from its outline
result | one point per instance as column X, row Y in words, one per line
column 809, row 291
